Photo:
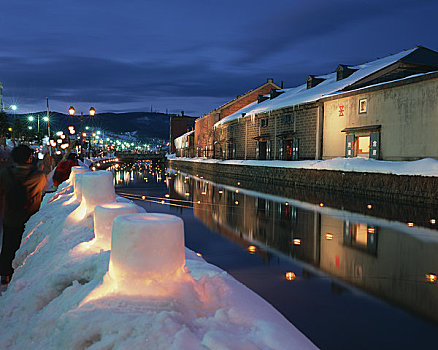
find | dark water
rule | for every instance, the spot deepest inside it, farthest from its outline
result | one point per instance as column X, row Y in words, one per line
column 360, row 282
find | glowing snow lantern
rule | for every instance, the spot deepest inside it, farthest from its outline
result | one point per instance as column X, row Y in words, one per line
column 74, row 179
column 97, row 188
column 252, row 249
column 104, row 215
column 147, row 251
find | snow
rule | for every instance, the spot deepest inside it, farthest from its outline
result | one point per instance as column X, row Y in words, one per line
column 300, row 94
column 57, row 299
column 422, row 167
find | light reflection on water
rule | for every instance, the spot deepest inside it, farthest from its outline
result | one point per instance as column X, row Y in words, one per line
column 388, row 259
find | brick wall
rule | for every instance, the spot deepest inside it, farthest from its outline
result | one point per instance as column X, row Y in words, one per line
column 179, row 125
column 246, row 131
column 335, row 188
column 205, row 135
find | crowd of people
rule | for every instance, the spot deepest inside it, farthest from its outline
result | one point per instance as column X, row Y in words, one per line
column 23, row 183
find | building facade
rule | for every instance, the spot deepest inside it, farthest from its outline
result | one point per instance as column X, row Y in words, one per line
column 392, row 121
column 204, row 127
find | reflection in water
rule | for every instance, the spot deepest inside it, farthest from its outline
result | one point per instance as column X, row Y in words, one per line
column 375, row 255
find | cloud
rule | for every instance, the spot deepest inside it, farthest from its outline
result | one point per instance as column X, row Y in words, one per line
column 304, row 22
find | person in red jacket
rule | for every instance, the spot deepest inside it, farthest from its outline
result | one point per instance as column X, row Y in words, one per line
column 63, row 169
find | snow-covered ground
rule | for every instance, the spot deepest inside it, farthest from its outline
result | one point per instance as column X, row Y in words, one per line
column 422, row 167
column 57, row 299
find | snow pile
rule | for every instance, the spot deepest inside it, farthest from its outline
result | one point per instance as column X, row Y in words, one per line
column 422, row 167
column 57, row 300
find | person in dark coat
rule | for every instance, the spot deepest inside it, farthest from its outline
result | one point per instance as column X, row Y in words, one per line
column 21, row 186
column 63, row 169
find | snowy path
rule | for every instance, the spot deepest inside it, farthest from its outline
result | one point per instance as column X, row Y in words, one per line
column 58, row 267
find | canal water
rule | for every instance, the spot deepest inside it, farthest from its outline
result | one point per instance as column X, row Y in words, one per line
column 346, row 280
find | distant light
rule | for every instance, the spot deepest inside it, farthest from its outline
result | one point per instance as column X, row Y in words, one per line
column 87, row 127
column 369, row 206
column 290, row 276
column 410, row 224
column 237, row 191
column 58, row 152
column 14, row 107
column 64, row 145
column 143, row 197
column 236, row 202
column 30, row 118
column 199, row 202
column 433, row 221
column 92, row 111
column 199, row 254
column 204, row 193
column 220, row 191
column 187, row 194
column 371, row 230
column 71, row 111
column 166, row 195
column 321, row 204
column 98, row 132
column 238, row 184
column 286, row 204
column 93, row 168
column 29, row 127
column 297, row 241
column 329, row 236
column 252, row 249
column 46, row 119
column 431, row 278
column 9, row 129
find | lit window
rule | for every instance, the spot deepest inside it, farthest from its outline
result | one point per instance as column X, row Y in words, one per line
column 363, row 105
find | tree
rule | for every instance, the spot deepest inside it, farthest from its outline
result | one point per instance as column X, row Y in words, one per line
column 4, row 124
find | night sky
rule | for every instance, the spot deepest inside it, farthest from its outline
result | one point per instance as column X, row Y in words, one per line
column 192, row 55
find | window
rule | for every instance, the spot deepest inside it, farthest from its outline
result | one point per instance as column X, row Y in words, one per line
column 287, row 119
column 263, row 122
column 363, row 105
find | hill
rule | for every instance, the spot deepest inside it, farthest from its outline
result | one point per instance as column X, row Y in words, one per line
column 146, row 124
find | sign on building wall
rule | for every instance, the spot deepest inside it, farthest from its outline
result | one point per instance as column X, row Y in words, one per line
column 341, row 111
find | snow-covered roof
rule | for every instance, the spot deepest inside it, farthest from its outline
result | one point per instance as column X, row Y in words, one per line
column 300, row 94
column 180, row 140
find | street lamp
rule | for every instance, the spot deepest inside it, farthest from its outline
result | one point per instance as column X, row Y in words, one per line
column 91, row 113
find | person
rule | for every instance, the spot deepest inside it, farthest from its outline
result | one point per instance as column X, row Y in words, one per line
column 63, row 169
column 21, row 186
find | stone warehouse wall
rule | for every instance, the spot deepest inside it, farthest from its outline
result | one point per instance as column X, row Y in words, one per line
column 321, row 185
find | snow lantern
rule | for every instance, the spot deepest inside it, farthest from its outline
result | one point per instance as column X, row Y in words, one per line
column 76, row 170
column 146, row 250
column 104, row 215
column 97, row 188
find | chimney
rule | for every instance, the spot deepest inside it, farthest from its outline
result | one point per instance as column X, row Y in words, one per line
column 274, row 93
column 182, row 113
column 281, row 84
column 343, row 71
column 270, row 81
column 312, row 81
column 261, row 98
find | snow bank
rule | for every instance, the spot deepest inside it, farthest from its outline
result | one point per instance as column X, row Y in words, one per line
column 422, row 167
column 48, row 304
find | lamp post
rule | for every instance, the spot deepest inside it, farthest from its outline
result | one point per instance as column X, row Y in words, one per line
column 91, row 113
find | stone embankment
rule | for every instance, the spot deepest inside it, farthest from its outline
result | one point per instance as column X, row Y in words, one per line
column 305, row 184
